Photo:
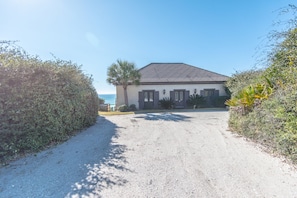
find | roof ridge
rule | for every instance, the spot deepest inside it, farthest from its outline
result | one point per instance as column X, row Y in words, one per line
column 161, row 63
column 167, row 63
column 207, row 70
column 184, row 64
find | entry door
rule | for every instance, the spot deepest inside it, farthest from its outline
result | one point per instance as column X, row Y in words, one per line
column 179, row 98
column 209, row 96
column 148, row 97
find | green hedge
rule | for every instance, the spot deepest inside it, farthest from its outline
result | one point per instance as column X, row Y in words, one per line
column 41, row 102
column 266, row 110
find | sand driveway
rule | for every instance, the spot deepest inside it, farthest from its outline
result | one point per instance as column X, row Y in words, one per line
column 180, row 154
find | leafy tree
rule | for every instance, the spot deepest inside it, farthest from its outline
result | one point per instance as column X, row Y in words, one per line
column 123, row 73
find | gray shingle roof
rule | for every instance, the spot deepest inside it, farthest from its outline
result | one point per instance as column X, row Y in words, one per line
column 178, row 73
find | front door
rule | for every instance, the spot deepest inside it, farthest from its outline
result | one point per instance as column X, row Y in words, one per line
column 179, row 99
column 209, row 96
column 148, row 97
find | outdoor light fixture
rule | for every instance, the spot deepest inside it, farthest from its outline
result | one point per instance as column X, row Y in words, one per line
column 164, row 91
column 195, row 90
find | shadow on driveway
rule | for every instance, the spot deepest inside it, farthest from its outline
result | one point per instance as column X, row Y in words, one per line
column 164, row 116
column 108, row 156
column 81, row 167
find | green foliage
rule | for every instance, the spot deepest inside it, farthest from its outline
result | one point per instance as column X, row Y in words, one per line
column 250, row 96
column 196, row 100
column 265, row 109
column 123, row 73
column 123, row 108
column 220, row 101
column 166, row 103
column 240, row 80
column 273, row 123
column 101, row 101
column 132, row 107
column 41, row 102
column 227, row 90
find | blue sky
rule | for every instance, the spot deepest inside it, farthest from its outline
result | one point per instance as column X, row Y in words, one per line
column 223, row 36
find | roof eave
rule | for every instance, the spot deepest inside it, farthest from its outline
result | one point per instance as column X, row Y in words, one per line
column 182, row 82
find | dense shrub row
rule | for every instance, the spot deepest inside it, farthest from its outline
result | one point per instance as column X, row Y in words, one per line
column 41, row 102
column 273, row 123
column 264, row 107
column 195, row 101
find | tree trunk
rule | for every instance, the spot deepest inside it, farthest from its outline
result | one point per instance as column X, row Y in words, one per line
column 126, row 95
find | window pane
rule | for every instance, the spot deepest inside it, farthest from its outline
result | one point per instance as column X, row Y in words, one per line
column 209, row 92
column 151, row 98
column 176, row 95
column 181, row 95
column 145, row 96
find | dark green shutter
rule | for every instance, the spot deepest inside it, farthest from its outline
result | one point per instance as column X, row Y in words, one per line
column 140, row 100
column 156, row 100
column 187, row 94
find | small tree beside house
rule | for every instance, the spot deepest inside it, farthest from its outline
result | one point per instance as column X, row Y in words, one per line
column 123, row 73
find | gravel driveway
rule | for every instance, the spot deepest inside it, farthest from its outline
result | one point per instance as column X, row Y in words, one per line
column 181, row 154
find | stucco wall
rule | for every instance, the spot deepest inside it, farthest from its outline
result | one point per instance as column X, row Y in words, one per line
column 133, row 91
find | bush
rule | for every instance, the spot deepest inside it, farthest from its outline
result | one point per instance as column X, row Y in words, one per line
column 240, row 80
column 196, row 100
column 123, row 108
column 264, row 108
column 41, row 102
column 272, row 124
column 101, row 101
column 220, row 101
column 251, row 96
column 132, row 107
column 166, row 103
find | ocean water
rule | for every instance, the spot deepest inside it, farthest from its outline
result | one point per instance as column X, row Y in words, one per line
column 109, row 98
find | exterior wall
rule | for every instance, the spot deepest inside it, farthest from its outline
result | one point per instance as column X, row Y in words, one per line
column 133, row 91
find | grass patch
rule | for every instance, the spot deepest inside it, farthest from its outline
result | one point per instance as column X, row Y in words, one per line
column 111, row 113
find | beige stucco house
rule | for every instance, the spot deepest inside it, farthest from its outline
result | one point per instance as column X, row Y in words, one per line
column 173, row 80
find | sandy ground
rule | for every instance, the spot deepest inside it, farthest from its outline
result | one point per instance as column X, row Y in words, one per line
column 189, row 154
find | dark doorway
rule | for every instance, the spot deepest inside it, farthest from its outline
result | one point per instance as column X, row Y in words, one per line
column 179, row 99
column 148, row 98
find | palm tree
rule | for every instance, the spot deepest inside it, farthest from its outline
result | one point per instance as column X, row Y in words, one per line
column 123, row 73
